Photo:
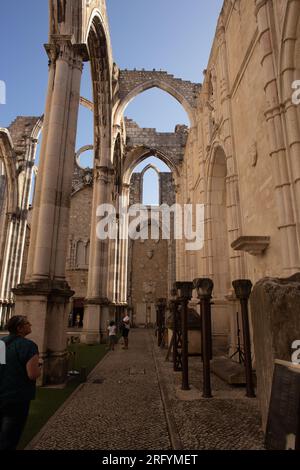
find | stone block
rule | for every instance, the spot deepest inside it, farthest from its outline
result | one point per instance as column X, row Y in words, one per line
column 275, row 305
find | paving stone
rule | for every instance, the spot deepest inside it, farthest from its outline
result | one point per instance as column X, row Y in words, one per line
column 116, row 409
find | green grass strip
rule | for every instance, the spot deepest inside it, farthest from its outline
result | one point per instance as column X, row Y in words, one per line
column 49, row 400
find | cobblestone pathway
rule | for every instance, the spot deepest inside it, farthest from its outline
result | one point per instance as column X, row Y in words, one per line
column 125, row 406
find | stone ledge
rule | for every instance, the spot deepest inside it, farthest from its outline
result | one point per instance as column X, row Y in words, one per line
column 231, row 372
column 254, row 245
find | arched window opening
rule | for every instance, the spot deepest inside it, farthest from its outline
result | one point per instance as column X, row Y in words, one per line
column 147, row 173
column 87, row 254
column 151, row 189
column 33, row 185
column 163, row 111
column 85, row 124
column 157, row 162
column 80, row 255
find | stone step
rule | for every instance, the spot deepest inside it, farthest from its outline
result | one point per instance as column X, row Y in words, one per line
column 231, row 372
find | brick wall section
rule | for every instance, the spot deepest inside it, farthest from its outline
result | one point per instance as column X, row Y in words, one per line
column 172, row 144
column 131, row 79
column 135, row 195
column 79, row 229
column 20, row 129
column 167, row 191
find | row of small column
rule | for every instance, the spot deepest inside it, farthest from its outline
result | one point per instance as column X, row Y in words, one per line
column 178, row 306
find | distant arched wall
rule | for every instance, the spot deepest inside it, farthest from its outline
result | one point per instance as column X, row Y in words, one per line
column 133, row 83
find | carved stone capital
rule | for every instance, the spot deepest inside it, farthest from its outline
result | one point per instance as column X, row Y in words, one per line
column 242, row 288
column 185, row 289
column 104, row 174
column 204, row 287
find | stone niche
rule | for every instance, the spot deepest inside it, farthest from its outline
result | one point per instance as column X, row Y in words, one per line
column 275, row 306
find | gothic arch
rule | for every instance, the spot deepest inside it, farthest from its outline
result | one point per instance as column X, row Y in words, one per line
column 102, row 88
column 217, row 238
column 138, row 155
column 7, row 156
column 133, row 83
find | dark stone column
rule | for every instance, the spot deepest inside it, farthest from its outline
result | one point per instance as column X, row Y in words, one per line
column 185, row 290
column 242, row 288
column 204, row 290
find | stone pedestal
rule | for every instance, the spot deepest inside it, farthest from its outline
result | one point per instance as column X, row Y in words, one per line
column 46, row 306
column 95, row 322
column 275, row 305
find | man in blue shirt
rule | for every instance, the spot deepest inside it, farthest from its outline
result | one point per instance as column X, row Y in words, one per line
column 17, row 381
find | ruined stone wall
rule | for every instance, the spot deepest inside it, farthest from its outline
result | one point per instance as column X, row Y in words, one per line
column 149, row 276
column 167, row 193
column 135, row 195
column 231, row 116
column 151, row 263
column 133, row 79
column 172, row 144
column 79, row 236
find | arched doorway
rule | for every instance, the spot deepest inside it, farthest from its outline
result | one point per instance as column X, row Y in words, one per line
column 219, row 247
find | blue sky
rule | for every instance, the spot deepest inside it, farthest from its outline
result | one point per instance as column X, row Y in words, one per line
column 170, row 35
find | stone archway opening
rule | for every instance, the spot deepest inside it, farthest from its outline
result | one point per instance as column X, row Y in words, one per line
column 156, row 108
column 134, row 82
column 219, row 248
column 151, row 256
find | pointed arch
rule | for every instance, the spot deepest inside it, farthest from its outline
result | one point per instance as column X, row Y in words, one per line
column 140, row 154
column 101, row 69
column 147, row 85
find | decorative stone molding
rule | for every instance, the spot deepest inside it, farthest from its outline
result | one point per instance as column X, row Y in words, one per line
column 254, row 245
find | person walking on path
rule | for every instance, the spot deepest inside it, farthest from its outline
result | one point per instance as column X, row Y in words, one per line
column 17, row 381
column 112, row 335
column 125, row 330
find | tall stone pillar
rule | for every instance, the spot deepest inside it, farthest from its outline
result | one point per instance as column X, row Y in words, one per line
column 123, row 263
column 96, row 313
column 232, row 183
column 291, row 112
column 236, row 259
column 282, row 179
column 44, row 297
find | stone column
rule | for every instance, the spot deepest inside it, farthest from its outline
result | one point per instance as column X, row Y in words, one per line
column 232, row 184
column 123, row 261
column 44, row 297
column 52, row 53
column 96, row 314
column 286, row 224
column 291, row 114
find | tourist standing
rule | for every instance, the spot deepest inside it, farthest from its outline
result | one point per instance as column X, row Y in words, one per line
column 125, row 330
column 17, row 381
column 112, row 335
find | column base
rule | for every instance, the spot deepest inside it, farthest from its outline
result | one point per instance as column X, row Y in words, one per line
column 95, row 321
column 45, row 303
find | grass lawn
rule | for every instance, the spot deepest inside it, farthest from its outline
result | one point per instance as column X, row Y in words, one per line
column 49, row 400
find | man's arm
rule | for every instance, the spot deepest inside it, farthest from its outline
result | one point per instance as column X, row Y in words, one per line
column 33, row 369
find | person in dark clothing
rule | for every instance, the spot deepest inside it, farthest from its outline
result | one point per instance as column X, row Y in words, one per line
column 17, row 381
